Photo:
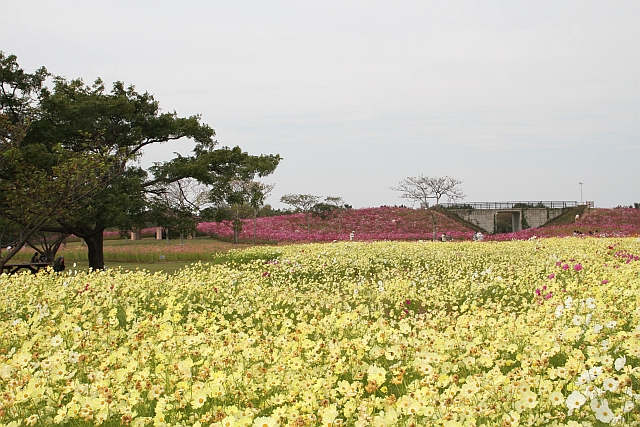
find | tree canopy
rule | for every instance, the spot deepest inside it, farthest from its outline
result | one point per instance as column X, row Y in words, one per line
column 89, row 121
column 39, row 185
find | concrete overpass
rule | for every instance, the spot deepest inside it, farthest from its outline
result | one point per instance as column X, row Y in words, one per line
column 523, row 214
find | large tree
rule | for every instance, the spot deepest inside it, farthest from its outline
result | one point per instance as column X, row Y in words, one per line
column 39, row 185
column 117, row 125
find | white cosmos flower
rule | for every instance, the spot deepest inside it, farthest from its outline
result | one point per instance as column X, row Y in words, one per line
column 587, row 319
column 597, row 328
column 620, row 362
column 628, row 406
column 584, row 378
column 567, row 302
column 74, row 357
column 577, row 320
column 602, row 410
column 596, row 371
column 611, row 324
column 590, row 303
column 559, row 310
column 56, row 341
column 575, row 400
column 610, row 384
column 592, row 391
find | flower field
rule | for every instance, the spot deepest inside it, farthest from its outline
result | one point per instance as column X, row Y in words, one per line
column 542, row 332
column 368, row 224
column 618, row 222
column 396, row 223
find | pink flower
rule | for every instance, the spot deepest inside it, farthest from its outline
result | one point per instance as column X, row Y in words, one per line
column 577, row 267
column 604, row 282
column 565, row 266
column 549, row 295
column 552, row 275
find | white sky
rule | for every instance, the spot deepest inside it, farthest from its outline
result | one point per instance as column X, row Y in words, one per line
column 519, row 100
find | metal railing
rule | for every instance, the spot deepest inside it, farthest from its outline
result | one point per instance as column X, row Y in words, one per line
column 510, row 205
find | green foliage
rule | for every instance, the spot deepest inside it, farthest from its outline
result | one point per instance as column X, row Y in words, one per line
column 78, row 121
column 503, row 226
column 302, row 202
column 323, row 210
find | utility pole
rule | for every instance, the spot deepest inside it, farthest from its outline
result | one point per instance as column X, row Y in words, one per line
column 580, row 192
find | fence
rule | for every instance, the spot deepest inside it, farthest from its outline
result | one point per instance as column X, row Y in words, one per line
column 511, row 205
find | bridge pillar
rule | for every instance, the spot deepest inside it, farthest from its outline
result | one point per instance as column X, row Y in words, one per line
column 516, row 221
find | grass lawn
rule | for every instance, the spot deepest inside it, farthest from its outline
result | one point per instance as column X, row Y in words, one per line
column 146, row 254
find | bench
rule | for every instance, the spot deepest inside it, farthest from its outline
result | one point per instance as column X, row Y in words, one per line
column 34, row 267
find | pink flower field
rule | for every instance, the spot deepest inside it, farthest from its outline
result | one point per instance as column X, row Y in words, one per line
column 396, row 223
column 618, row 222
column 384, row 223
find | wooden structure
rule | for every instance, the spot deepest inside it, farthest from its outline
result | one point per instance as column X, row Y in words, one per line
column 34, row 267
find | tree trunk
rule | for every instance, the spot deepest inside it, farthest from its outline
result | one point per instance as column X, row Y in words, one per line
column 95, row 246
column 181, row 239
column 435, row 223
column 434, row 228
column 255, row 215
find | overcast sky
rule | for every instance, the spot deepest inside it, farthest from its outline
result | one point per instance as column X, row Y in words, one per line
column 519, row 100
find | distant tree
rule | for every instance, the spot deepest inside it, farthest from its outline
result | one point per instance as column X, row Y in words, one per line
column 268, row 211
column 257, row 193
column 421, row 189
column 175, row 206
column 329, row 207
column 240, row 199
column 302, row 202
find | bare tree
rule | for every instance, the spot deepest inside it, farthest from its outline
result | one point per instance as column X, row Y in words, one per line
column 175, row 205
column 422, row 188
column 304, row 202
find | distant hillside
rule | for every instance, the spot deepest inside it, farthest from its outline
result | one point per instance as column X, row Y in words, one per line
column 383, row 223
column 618, row 222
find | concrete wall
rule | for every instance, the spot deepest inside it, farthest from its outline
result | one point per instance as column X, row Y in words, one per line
column 530, row 217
